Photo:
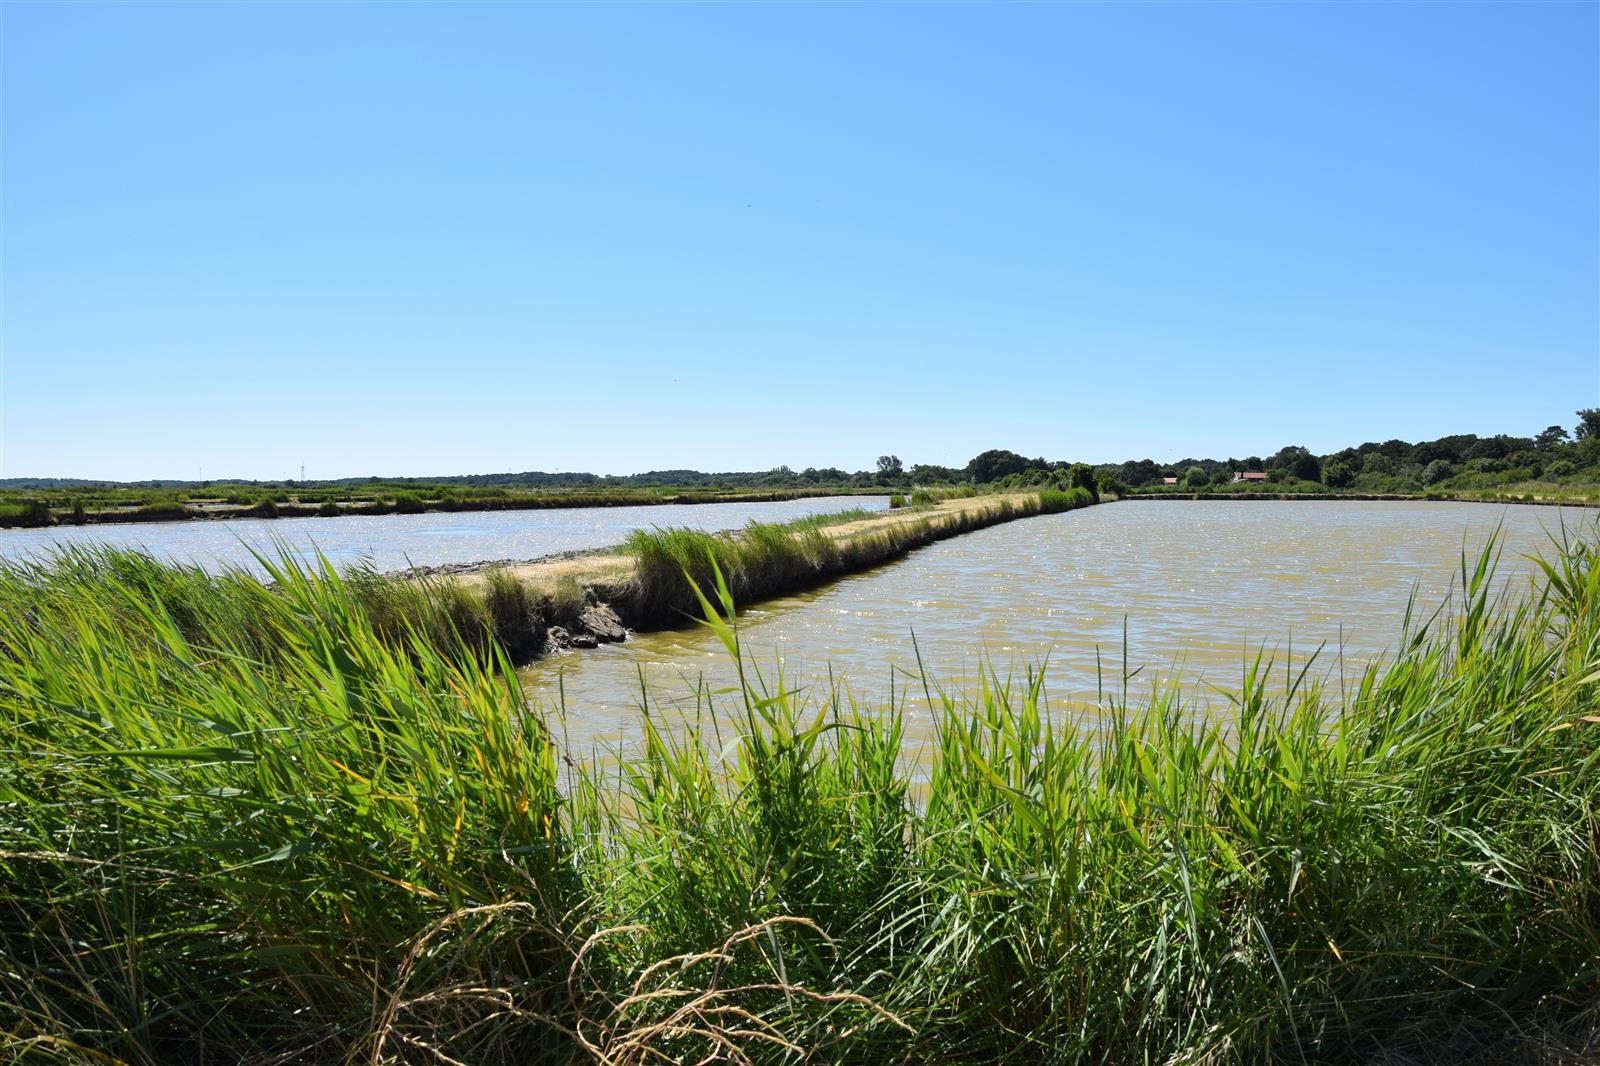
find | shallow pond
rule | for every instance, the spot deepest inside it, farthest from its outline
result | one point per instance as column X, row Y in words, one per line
column 1202, row 585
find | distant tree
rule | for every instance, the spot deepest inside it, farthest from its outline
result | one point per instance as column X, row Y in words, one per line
column 1108, row 485
column 1351, row 457
column 1378, row 463
column 1427, row 451
column 1550, row 437
column 995, row 464
column 1488, row 448
column 1436, row 471
column 1081, row 476
column 1140, row 472
column 928, row 474
column 1337, row 473
column 1588, row 424
column 1295, row 461
column 889, row 466
column 1196, row 477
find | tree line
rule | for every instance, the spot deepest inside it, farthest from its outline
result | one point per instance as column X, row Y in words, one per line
column 1555, row 454
column 1462, row 460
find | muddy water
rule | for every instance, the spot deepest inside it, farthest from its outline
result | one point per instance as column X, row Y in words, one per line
column 391, row 542
column 1202, row 586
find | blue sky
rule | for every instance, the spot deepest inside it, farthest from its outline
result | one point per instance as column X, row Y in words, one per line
column 414, row 239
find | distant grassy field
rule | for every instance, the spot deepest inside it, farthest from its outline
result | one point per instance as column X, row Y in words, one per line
column 246, row 824
column 33, row 507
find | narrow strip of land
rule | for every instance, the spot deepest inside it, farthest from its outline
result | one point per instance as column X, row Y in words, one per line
column 62, row 511
column 609, row 566
column 651, row 581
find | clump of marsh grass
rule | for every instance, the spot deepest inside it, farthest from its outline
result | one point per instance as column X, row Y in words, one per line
column 514, row 614
column 565, row 602
column 832, row 518
column 765, row 559
column 1054, row 501
column 438, row 610
column 356, row 788
column 25, row 513
column 408, row 503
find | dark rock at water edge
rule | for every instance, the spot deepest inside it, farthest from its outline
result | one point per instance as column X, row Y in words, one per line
column 597, row 625
column 601, row 622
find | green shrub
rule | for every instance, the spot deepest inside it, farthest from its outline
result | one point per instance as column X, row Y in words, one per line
column 1081, row 476
column 1052, row 501
column 1337, row 474
column 25, row 513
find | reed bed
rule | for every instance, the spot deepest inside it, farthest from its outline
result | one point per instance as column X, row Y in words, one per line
column 240, row 825
column 763, row 560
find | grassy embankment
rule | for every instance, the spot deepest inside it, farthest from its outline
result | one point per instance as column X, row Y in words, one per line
column 644, row 579
column 32, row 508
column 761, row 561
column 241, row 826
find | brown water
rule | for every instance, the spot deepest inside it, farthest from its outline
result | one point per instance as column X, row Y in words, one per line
column 1203, row 585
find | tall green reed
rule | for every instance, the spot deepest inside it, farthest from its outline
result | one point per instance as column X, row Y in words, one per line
column 244, row 825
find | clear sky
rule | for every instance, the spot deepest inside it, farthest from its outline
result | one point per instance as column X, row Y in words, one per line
column 417, row 239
